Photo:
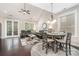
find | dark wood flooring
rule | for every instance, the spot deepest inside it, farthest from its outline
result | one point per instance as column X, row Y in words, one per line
column 12, row 47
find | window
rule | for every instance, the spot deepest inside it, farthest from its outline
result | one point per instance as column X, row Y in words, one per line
column 26, row 26
column 9, row 28
column 15, row 28
column 67, row 23
column 29, row 26
column 12, row 28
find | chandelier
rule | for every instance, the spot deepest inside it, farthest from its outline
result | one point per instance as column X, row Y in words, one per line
column 52, row 20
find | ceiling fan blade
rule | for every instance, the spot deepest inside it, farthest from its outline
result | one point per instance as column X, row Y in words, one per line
column 24, row 10
column 19, row 11
column 28, row 12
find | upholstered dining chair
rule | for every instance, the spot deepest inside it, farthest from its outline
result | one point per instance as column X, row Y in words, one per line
column 66, row 42
column 47, row 42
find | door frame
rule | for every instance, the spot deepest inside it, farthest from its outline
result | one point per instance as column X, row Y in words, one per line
column 1, row 29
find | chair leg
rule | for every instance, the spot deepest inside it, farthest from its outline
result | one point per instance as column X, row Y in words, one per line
column 69, row 49
column 66, row 50
column 61, row 46
column 46, row 48
column 53, row 46
column 56, row 47
column 43, row 46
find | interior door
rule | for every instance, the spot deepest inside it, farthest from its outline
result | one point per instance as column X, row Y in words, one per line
column 0, row 30
column 0, row 35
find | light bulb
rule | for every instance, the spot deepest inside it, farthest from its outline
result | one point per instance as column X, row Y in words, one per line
column 53, row 21
column 48, row 21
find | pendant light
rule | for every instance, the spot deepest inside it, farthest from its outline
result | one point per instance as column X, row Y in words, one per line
column 51, row 21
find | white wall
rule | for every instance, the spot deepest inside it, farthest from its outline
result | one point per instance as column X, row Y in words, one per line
column 2, row 21
column 78, row 21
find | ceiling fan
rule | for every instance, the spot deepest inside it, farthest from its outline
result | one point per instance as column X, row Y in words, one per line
column 24, row 11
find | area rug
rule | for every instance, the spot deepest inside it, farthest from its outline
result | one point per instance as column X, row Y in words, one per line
column 25, row 41
column 37, row 51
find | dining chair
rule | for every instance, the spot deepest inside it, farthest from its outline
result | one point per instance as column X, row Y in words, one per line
column 47, row 42
column 66, row 42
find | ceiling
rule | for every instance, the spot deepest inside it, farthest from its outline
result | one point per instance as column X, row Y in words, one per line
column 11, row 9
column 57, row 7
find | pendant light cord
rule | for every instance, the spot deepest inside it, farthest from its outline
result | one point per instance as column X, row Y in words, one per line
column 51, row 11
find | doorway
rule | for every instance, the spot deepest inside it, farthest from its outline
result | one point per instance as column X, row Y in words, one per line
column 0, row 36
column 0, row 30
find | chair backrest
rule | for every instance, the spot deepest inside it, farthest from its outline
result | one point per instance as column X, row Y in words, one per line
column 44, row 35
column 68, row 38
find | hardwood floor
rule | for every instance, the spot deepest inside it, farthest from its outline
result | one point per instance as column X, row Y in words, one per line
column 12, row 47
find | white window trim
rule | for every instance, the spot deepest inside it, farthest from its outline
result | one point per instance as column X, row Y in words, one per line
column 13, row 20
